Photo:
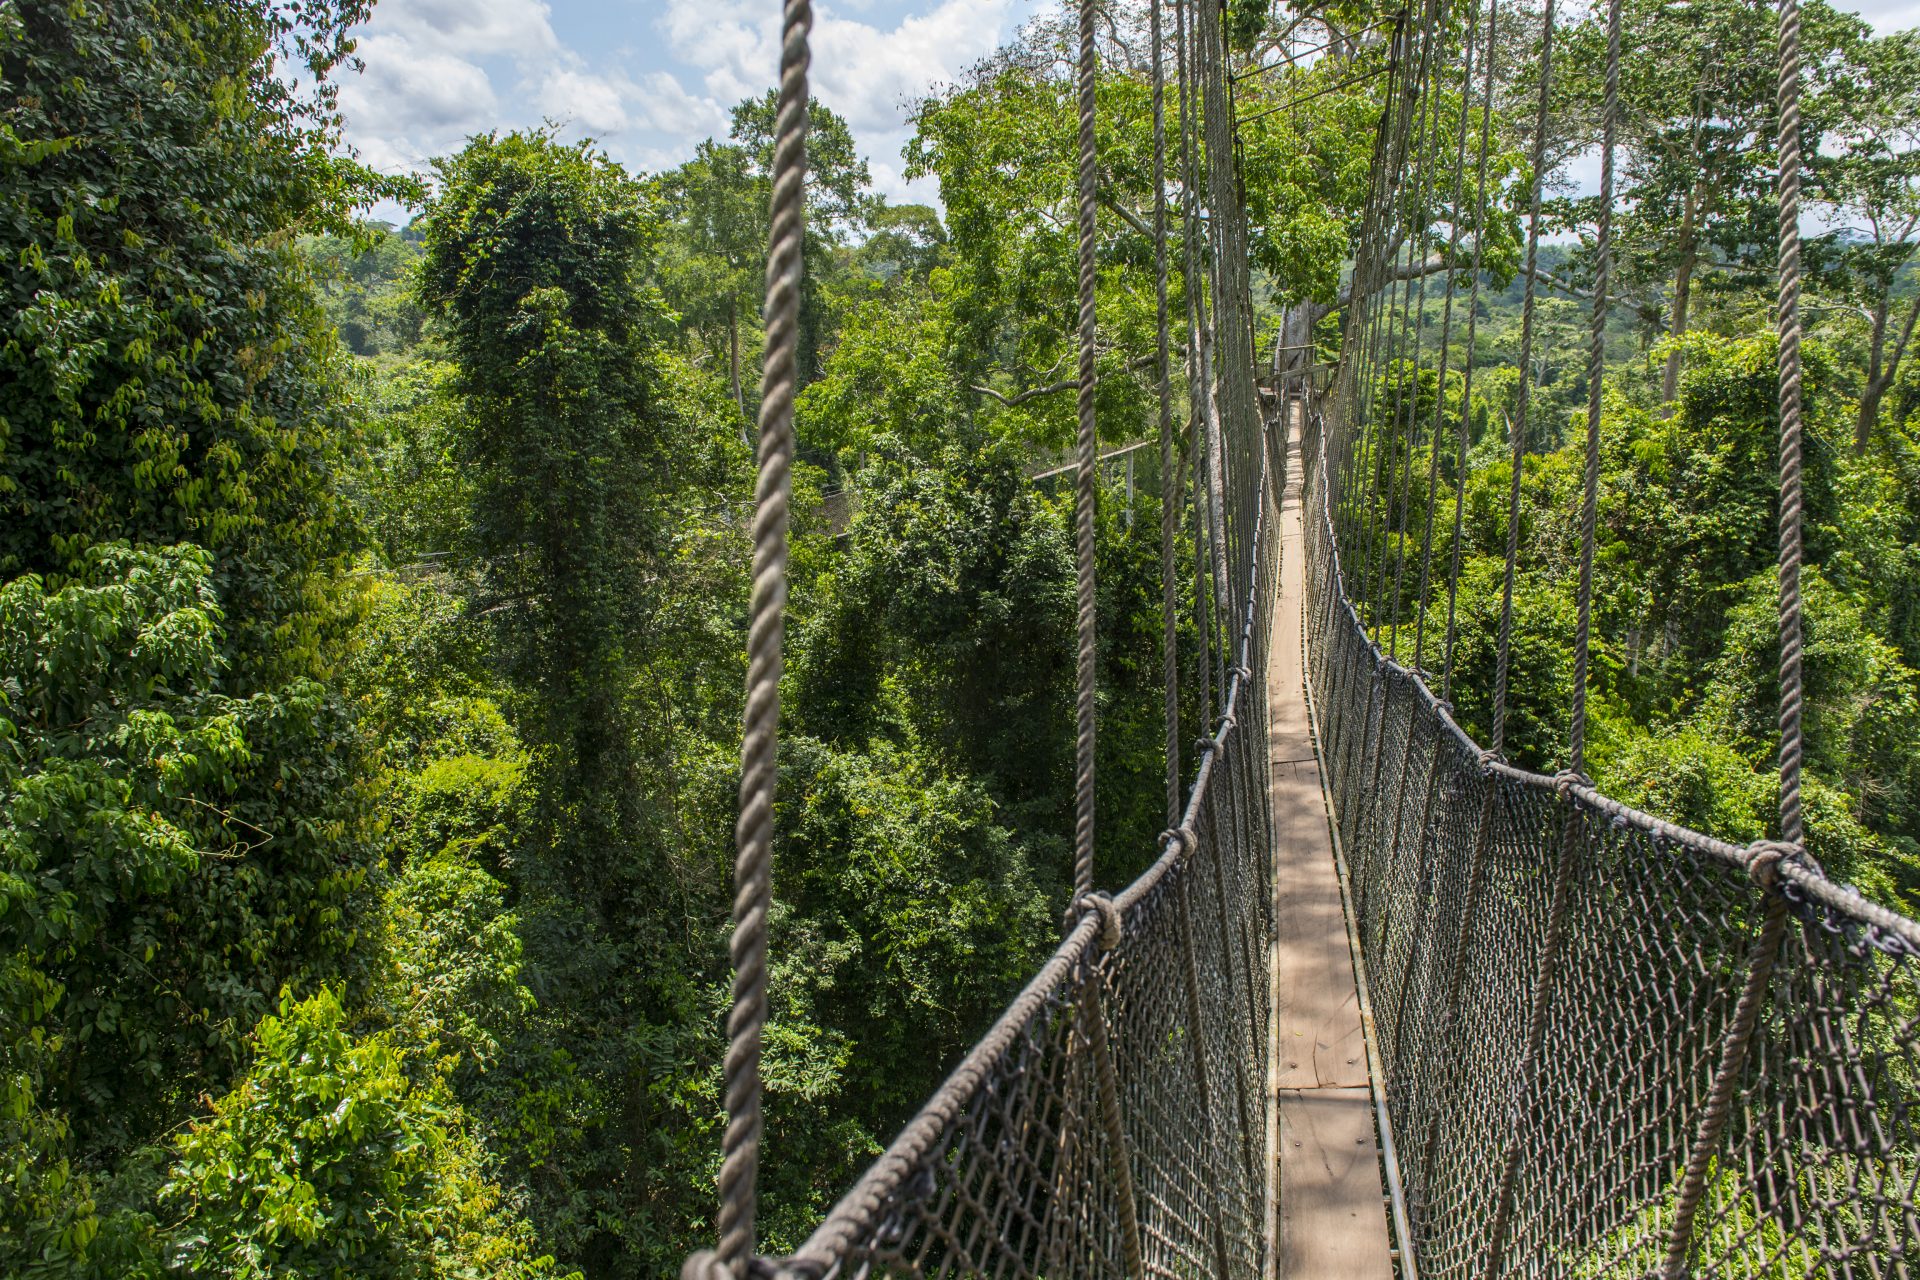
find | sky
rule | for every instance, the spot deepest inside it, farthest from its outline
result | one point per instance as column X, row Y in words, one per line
column 651, row 79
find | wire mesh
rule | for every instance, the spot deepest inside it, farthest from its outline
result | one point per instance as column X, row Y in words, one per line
column 1008, row 1170
column 1456, row 862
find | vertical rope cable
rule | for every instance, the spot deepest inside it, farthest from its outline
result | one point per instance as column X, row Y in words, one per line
column 753, row 861
column 1466, row 377
column 1767, row 856
column 1084, row 481
column 1503, row 663
column 1446, row 339
column 1169, row 479
column 1502, row 1221
column 1596, row 372
column 1792, row 827
column 1192, row 291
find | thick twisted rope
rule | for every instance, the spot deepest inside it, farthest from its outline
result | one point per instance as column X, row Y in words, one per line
column 1192, row 286
column 1596, row 372
column 753, row 836
column 1769, row 857
column 1466, row 374
column 1084, row 481
column 1169, row 476
column 1446, row 340
column 1414, row 300
column 1792, row 827
column 1504, row 661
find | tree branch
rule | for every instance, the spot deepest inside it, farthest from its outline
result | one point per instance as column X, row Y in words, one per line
column 1034, row 393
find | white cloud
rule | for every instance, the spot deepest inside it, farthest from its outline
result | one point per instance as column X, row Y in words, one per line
column 664, row 105
column 516, row 28
column 867, row 73
column 412, row 102
column 439, row 71
column 594, row 103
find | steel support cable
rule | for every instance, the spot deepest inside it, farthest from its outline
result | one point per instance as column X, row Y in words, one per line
column 1558, row 907
column 1791, row 848
column 1473, row 321
column 1370, row 822
column 1407, row 382
column 1503, row 659
column 1446, row 337
column 1084, row 480
column 753, row 859
column 1410, row 378
column 1169, row 483
column 1449, row 1033
column 1376, row 514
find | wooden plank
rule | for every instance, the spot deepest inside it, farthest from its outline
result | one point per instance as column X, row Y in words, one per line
column 1317, row 1006
column 1317, row 1009
column 1333, row 1224
column 1330, row 1221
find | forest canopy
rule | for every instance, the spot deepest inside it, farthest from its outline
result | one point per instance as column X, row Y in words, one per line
column 373, row 597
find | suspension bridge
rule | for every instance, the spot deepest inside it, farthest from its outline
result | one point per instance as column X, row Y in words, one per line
column 1386, row 1003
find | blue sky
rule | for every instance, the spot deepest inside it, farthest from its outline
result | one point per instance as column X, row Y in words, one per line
column 652, row 78
column 649, row 78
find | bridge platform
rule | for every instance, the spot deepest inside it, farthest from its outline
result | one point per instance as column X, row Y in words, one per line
column 1330, row 1220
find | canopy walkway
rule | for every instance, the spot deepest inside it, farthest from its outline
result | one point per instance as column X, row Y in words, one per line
column 1385, row 1002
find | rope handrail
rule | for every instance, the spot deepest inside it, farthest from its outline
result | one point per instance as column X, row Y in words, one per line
column 856, row 1229
column 1806, row 1170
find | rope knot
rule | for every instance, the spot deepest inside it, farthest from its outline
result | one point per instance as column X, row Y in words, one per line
column 1488, row 759
column 1567, row 779
column 1765, row 856
column 705, row 1264
column 1180, row 838
column 1109, row 916
column 1244, row 671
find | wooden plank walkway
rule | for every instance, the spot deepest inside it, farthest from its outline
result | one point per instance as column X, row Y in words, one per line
column 1330, row 1221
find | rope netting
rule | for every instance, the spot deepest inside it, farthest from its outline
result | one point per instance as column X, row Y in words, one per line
column 1113, row 1121
column 1610, row 1046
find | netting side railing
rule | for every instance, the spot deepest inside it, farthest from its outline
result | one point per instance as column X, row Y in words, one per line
column 1143, row 1040
column 1477, row 884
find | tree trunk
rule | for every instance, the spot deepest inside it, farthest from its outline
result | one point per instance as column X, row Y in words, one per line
column 733, row 355
column 1877, row 380
column 1883, row 366
column 1682, row 287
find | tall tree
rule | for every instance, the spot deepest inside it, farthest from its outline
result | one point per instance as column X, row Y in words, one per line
column 1696, row 135
column 717, row 210
column 182, row 832
column 1868, row 176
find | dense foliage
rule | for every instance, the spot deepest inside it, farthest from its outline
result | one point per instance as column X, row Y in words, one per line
column 372, row 601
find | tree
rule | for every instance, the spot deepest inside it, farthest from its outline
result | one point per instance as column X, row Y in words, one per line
column 1868, row 176
column 535, row 260
column 330, row 1157
column 715, row 250
column 1695, row 191
column 183, row 829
